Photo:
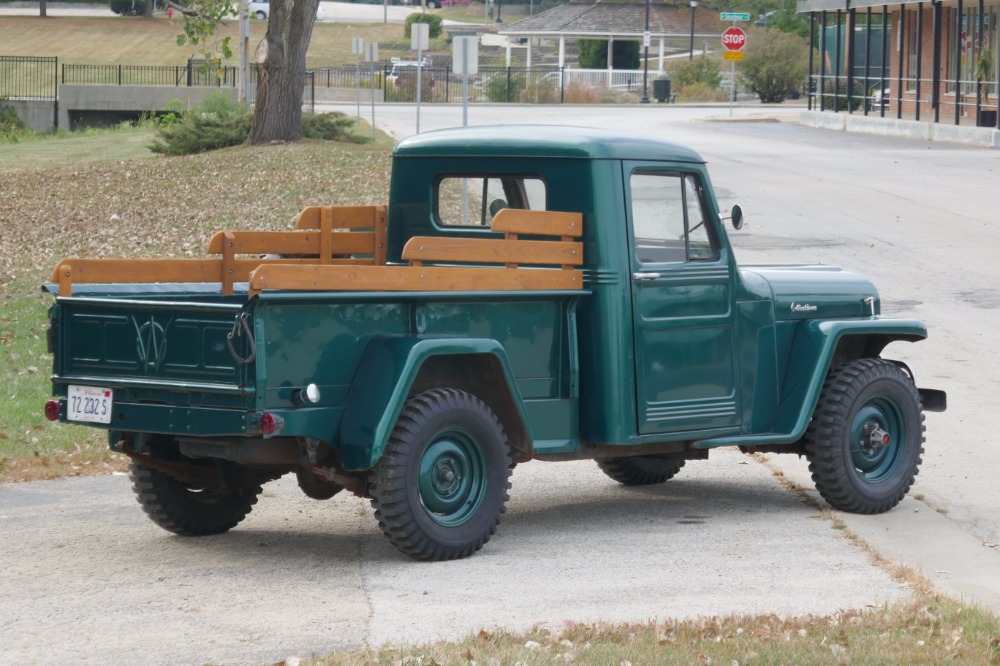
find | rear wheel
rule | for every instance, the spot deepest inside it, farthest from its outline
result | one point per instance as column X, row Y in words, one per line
column 441, row 485
column 866, row 438
column 186, row 510
column 640, row 470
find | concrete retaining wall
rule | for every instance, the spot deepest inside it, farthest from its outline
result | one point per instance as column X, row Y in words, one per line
column 907, row 129
column 37, row 115
column 76, row 98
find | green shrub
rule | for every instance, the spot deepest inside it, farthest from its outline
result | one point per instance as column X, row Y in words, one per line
column 128, row 7
column 701, row 70
column 829, row 100
column 330, row 127
column 11, row 125
column 594, row 54
column 433, row 20
column 217, row 123
column 774, row 63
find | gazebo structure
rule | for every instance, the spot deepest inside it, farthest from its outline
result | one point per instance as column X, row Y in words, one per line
column 621, row 21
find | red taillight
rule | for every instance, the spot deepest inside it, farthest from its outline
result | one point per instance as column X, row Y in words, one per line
column 271, row 424
column 52, row 410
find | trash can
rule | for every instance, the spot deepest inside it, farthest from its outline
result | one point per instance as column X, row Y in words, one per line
column 661, row 89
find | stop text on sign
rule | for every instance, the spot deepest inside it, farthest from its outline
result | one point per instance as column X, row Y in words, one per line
column 734, row 39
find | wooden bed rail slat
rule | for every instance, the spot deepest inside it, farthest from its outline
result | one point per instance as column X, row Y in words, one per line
column 468, row 250
column 538, row 222
column 410, row 278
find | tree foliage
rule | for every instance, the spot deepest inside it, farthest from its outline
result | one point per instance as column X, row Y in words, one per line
column 703, row 70
column 433, row 20
column 281, row 59
column 128, row 7
column 594, row 54
column 775, row 63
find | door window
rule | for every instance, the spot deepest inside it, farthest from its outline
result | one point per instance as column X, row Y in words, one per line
column 668, row 219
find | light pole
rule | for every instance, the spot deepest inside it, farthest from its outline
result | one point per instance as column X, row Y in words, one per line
column 499, row 20
column 645, row 60
column 694, row 6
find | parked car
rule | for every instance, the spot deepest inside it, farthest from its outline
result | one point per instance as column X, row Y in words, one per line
column 261, row 9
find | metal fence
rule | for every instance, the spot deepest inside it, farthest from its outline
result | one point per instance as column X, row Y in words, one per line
column 29, row 78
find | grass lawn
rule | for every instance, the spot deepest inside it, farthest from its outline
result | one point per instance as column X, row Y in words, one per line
column 139, row 41
column 103, row 194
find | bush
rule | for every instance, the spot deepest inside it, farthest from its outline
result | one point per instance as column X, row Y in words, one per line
column 330, row 127
column 702, row 70
column 217, row 123
column 701, row 92
column 128, row 7
column 774, row 63
column 594, row 54
column 829, row 101
column 12, row 127
column 433, row 20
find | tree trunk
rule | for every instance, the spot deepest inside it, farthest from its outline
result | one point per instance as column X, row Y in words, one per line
column 42, row 10
column 147, row 11
column 278, row 110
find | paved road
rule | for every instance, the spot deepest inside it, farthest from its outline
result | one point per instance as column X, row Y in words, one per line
column 88, row 578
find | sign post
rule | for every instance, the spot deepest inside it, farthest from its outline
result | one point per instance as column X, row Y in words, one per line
column 358, row 49
column 420, row 36
column 371, row 55
column 733, row 41
column 465, row 61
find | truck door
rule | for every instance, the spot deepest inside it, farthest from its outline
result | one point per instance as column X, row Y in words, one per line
column 682, row 305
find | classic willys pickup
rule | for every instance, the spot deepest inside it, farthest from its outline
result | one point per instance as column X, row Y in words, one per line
column 528, row 293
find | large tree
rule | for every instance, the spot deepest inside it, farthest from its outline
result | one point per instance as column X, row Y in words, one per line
column 281, row 59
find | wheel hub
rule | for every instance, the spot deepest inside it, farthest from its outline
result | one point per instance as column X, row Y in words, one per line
column 452, row 477
column 873, row 438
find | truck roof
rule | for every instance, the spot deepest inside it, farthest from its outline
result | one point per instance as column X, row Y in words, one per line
column 542, row 141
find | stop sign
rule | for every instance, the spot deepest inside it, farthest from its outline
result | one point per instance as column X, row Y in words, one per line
column 734, row 39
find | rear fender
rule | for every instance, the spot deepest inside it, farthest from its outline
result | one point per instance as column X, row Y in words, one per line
column 388, row 372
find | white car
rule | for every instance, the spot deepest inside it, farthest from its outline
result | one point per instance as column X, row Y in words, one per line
column 261, row 9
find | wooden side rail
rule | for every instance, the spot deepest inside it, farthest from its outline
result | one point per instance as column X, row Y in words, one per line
column 483, row 251
column 409, row 278
column 328, row 235
column 509, row 253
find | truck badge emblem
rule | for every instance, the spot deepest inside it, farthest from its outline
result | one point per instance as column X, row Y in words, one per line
column 803, row 307
column 150, row 344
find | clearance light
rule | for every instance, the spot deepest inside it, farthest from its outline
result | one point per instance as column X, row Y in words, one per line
column 52, row 410
column 271, row 424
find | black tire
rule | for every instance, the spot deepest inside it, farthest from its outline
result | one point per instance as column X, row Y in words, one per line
column 186, row 511
column 866, row 437
column 640, row 470
column 441, row 485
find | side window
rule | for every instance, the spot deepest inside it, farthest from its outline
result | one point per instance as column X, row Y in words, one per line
column 668, row 220
column 473, row 201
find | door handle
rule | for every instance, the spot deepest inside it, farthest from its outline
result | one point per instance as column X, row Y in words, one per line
column 646, row 276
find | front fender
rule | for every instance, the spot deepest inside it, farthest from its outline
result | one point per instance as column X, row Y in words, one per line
column 383, row 381
column 809, row 361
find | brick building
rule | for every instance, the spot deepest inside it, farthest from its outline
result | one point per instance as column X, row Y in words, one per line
column 906, row 60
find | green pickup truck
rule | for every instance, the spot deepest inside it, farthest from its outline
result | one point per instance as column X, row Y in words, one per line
column 542, row 293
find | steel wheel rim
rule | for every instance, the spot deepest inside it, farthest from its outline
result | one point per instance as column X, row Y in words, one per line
column 452, row 477
column 875, row 464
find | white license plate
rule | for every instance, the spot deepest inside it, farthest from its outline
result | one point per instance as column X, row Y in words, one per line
column 91, row 404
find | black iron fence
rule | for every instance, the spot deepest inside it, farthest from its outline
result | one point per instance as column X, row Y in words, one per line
column 29, row 78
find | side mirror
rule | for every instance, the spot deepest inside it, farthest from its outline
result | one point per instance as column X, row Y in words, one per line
column 736, row 217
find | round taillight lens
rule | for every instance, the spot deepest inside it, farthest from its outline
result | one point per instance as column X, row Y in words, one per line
column 52, row 410
column 271, row 424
